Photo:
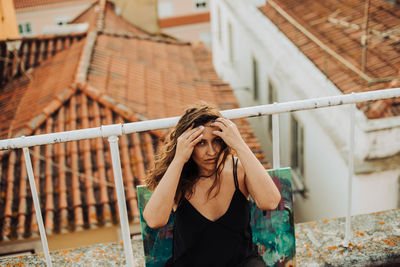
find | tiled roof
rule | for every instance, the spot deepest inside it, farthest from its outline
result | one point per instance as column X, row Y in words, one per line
column 184, row 20
column 339, row 26
column 130, row 76
column 74, row 179
column 34, row 3
column 43, row 95
column 17, row 61
column 18, row 77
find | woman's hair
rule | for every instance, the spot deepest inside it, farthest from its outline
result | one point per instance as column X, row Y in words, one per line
column 195, row 115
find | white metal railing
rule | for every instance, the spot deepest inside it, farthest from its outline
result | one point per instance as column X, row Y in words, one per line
column 115, row 130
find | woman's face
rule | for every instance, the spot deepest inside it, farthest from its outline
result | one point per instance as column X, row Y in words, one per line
column 205, row 153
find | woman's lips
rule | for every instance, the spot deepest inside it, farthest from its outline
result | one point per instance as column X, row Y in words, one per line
column 210, row 160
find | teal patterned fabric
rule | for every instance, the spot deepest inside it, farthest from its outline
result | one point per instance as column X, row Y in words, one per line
column 273, row 231
column 157, row 243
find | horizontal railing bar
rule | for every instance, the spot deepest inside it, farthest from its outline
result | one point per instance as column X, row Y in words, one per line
column 314, row 103
column 119, row 129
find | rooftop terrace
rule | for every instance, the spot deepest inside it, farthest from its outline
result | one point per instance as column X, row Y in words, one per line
column 375, row 242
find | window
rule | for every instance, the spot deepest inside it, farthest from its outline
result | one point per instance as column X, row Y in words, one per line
column 297, row 146
column 271, row 98
column 219, row 25
column 230, row 44
column 25, row 28
column 200, row 4
column 255, row 79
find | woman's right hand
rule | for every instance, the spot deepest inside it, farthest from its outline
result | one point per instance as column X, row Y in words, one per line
column 159, row 206
column 186, row 143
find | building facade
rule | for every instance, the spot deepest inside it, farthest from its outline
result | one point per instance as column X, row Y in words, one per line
column 36, row 18
column 278, row 52
column 186, row 20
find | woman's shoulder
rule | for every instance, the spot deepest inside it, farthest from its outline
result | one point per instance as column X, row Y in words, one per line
column 232, row 162
column 241, row 176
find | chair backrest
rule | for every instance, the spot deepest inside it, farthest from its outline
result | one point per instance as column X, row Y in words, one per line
column 273, row 231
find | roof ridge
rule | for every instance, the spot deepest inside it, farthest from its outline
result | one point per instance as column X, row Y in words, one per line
column 84, row 62
column 53, row 105
column 102, row 11
column 149, row 37
column 46, row 37
column 121, row 109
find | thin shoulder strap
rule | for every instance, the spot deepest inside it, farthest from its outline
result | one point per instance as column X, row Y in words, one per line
column 235, row 163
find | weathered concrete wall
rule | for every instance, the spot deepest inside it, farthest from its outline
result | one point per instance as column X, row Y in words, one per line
column 376, row 241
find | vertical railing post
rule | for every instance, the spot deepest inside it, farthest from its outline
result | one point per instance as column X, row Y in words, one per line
column 36, row 203
column 119, row 187
column 348, row 234
column 275, row 140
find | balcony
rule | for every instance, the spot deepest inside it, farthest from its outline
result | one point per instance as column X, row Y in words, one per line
column 370, row 239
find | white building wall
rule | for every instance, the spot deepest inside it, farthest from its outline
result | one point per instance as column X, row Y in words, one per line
column 175, row 8
column 376, row 191
column 194, row 33
column 326, row 131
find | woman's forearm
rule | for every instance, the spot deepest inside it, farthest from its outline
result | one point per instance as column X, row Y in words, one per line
column 259, row 184
column 158, row 208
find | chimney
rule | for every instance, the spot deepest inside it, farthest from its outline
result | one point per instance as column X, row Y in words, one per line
column 141, row 13
column 8, row 20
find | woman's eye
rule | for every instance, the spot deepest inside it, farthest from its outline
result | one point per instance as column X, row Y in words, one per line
column 218, row 140
column 201, row 143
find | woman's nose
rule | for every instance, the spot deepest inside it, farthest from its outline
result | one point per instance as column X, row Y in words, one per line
column 211, row 150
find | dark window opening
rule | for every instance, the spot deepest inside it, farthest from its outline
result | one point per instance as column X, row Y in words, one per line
column 255, row 79
column 297, row 147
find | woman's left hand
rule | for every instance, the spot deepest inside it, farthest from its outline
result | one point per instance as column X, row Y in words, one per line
column 228, row 132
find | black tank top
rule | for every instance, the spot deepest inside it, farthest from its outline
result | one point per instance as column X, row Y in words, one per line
column 225, row 242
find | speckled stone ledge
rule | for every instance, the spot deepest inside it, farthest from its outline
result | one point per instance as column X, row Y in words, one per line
column 376, row 241
column 107, row 254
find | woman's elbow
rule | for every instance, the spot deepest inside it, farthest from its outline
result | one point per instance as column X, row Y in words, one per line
column 153, row 222
column 276, row 201
column 271, row 204
column 155, row 225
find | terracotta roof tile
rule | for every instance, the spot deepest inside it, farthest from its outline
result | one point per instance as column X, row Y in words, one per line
column 32, row 51
column 34, row 103
column 130, row 77
column 34, row 3
column 338, row 25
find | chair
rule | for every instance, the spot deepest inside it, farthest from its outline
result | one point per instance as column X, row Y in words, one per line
column 273, row 231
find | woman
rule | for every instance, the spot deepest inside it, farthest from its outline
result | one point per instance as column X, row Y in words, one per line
column 197, row 176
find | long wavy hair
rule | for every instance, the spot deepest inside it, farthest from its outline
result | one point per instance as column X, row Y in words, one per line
column 195, row 116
